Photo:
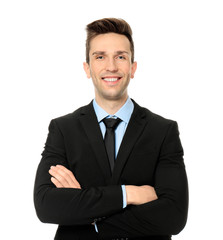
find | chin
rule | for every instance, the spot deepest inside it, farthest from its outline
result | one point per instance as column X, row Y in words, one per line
column 116, row 97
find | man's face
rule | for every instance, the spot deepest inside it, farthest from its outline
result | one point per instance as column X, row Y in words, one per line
column 110, row 66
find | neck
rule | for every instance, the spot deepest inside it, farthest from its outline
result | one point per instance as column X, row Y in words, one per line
column 111, row 106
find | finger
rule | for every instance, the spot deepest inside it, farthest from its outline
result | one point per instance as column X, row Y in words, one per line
column 72, row 180
column 60, row 178
column 64, row 176
column 71, row 175
column 56, row 182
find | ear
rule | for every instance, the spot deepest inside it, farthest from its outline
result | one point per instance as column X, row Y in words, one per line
column 133, row 69
column 87, row 69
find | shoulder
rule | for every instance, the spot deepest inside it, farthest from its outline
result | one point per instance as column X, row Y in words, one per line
column 154, row 122
column 150, row 116
column 73, row 116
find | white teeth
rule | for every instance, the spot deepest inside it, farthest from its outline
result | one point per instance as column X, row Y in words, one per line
column 110, row 79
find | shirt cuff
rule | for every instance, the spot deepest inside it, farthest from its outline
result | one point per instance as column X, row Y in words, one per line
column 124, row 204
column 124, row 196
column 96, row 228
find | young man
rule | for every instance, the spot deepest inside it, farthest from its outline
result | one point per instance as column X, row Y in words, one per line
column 98, row 181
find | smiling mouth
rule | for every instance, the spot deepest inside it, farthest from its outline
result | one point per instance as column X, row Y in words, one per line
column 111, row 79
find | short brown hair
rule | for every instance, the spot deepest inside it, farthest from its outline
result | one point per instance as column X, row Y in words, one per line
column 108, row 25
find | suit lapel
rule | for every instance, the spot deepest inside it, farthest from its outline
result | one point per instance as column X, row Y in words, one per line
column 135, row 128
column 91, row 127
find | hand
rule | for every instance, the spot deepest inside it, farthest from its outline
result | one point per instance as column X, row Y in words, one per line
column 137, row 195
column 63, row 178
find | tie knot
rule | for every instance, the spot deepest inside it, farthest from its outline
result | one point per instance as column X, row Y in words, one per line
column 111, row 122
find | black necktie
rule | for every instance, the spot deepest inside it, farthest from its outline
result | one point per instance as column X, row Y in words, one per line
column 111, row 124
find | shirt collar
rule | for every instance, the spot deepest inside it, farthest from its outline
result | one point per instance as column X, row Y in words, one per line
column 124, row 113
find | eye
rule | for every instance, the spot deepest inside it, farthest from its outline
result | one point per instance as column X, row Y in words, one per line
column 99, row 57
column 121, row 57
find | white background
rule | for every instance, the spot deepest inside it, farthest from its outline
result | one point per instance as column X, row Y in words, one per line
column 179, row 50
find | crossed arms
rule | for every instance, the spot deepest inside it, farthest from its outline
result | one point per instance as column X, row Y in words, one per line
column 162, row 210
column 136, row 195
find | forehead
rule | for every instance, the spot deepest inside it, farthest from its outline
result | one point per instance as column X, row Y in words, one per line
column 110, row 42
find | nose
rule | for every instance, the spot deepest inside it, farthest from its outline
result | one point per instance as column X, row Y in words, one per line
column 111, row 65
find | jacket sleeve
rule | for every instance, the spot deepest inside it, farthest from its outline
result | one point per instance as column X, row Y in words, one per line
column 168, row 214
column 69, row 206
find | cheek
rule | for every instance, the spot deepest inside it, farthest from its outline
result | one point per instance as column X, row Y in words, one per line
column 126, row 70
column 125, row 67
column 95, row 69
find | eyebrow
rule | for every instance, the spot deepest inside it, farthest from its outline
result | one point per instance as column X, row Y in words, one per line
column 103, row 52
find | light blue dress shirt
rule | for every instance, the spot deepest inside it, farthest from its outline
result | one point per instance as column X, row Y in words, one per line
column 124, row 113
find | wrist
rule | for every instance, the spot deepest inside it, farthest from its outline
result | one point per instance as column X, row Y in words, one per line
column 130, row 194
column 137, row 195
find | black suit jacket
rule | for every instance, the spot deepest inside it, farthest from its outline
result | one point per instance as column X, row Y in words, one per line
column 150, row 154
